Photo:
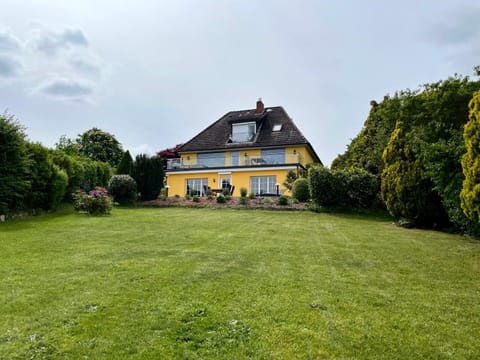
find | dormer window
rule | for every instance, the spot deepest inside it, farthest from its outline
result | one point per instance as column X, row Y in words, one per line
column 244, row 132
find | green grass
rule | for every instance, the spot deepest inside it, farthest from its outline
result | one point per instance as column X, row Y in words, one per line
column 234, row 284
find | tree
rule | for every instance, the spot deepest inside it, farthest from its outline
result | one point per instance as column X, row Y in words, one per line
column 14, row 165
column 148, row 173
column 406, row 189
column 433, row 119
column 365, row 150
column 126, row 164
column 470, row 194
column 290, row 179
column 99, row 145
column 68, row 146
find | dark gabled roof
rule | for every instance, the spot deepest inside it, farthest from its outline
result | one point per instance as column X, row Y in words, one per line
column 216, row 136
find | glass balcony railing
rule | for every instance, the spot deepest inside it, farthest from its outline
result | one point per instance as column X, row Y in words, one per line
column 173, row 164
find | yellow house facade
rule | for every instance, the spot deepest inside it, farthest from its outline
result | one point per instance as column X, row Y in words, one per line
column 252, row 149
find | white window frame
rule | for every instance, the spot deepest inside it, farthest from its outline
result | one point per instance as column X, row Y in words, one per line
column 197, row 185
column 260, row 185
column 246, row 135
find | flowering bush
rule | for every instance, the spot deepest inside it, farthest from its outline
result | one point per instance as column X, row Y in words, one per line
column 123, row 188
column 96, row 202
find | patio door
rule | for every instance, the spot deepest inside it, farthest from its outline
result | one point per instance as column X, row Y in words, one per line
column 225, row 181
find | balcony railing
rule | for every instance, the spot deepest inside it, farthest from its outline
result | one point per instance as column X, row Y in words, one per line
column 173, row 164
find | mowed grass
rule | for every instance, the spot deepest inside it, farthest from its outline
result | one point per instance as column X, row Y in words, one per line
column 232, row 284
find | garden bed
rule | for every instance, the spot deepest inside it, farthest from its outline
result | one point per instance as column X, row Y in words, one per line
column 234, row 202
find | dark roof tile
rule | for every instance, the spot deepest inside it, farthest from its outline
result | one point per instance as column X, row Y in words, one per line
column 215, row 137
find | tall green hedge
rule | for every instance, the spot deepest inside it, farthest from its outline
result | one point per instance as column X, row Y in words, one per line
column 14, row 165
column 47, row 181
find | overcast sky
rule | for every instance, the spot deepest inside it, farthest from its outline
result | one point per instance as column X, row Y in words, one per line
column 155, row 73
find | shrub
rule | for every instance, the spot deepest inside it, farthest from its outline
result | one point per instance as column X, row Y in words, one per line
column 196, row 199
column 243, row 200
column 267, row 201
column 227, row 197
column 123, row 188
column 220, row 199
column 96, row 202
column 226, row 191
column 354, row 187
column 282, row 200
column 243, row 192
column 300, row 190
column 322, row 186
column 361, row 188
column 251, row 196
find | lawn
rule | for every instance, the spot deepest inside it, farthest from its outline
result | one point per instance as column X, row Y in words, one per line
column 180, row 283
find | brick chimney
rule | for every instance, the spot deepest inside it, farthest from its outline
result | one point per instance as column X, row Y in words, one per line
column 260, row 107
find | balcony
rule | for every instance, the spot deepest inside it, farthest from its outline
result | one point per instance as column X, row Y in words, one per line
column 242, row 161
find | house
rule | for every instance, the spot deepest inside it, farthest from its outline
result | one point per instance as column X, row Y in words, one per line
column 252, row 149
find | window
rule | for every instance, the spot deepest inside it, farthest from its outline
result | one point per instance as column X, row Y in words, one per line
column 211, row 159
column 262, row 185
column 277, row 127
column 274, row 156
column 235, row 158
column 244, row 132
column 196, row 187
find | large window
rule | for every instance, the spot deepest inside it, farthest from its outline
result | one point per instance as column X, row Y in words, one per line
column 243, row 132
column 215, row 159
column 262, row 185
column 274, row 156
column 196, row 187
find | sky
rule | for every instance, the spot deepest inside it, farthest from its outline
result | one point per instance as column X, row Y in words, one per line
column 155, row 73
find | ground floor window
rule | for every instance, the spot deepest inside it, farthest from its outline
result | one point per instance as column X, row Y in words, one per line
column 263, row 185
column 196, row 187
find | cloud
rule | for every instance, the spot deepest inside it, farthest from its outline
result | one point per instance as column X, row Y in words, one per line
column 9, row 66
column 85, row 66
column 9, row 43
column 67, row 88
column 50, row 43
column 57, row 63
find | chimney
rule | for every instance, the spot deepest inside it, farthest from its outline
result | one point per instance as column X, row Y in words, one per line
column 260, row 106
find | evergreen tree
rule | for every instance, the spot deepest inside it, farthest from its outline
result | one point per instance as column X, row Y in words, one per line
column 126, row 164
column 148, row 173
column 470, row 194
column 406, row 189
